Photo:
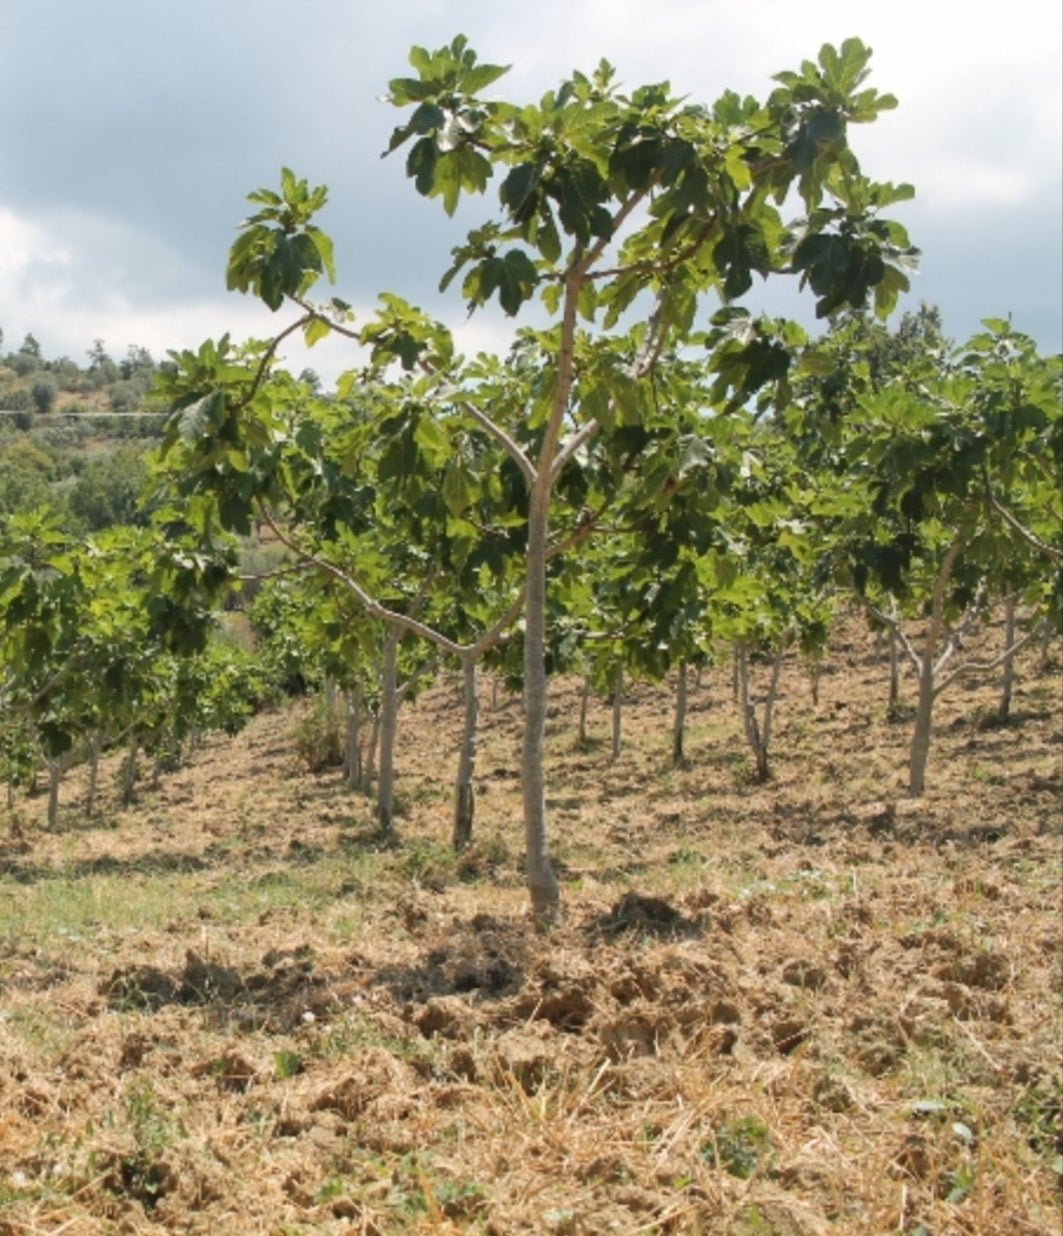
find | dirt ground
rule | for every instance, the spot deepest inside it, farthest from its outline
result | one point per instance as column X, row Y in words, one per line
column 814, row 1005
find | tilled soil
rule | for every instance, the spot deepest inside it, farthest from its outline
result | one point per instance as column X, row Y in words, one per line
column 813, row 1005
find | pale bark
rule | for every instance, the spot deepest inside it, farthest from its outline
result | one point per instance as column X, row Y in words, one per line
column 1008, row 677
column 353, row 756
column 919, row 747
column 389, row 724
column 55, row 774
column 679, row 726
column 129, row 772
column 542, row 883
column 94, row 770
column 929, row 664
column 758, row 731
column 618, row 709
column 584, row 700
column 464, row 791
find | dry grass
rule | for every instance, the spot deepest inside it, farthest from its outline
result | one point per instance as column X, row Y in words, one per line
column 804, row 1007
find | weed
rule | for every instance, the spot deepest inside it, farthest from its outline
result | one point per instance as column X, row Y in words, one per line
column 143, row 1174
column 287, row 1064
column 740, row 1146
column 427, row 863
column 319, row 737
column 1040, row 1111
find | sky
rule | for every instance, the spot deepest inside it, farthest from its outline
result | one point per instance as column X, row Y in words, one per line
column 131, row 132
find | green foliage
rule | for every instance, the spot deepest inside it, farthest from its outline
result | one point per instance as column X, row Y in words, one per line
column 319, row 736
column 88, row 629
column 427, row 498
column 44, row 391
column 26, row 473
column 741, row 1147
column 280, row 253
column 24, row 364
column 108, row 490
column 947, row 453
column 154, row 1129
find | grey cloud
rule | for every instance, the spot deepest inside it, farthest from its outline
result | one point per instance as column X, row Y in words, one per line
column 136, row 130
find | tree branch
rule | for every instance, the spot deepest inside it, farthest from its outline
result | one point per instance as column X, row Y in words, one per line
column 490, row 427
column 987, row 667
column 660, row 268
column 894, row 624
column 267, row 358
column 1029, row 537
column 512, row 449
column 376, row 610
column 956, row 638
column 369, row 603
column 593, row 254
column 582, row 436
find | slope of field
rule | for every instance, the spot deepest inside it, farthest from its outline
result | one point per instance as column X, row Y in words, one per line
column 797, row 1008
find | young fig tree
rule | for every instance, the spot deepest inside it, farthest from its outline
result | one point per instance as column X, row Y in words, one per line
column 618, row 212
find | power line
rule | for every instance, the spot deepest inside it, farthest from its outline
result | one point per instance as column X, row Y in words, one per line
column 45, row 417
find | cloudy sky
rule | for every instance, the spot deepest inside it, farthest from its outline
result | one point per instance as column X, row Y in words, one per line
column 132, row 131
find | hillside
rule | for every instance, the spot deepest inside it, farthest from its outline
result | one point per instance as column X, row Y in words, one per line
column 809, row 1006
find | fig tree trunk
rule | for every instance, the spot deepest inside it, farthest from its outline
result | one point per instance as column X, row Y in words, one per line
column 94, row 771
column 389, row 724
column 55, row 774
column 618, row 709
column 464, row 792
column 919, row 748
column 1008, row 681
column 584, row 699
column 129, row 774
column 353, row 760
column 679, row 728
column 542, row 883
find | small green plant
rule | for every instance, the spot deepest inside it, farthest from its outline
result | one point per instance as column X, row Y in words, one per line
column 427, row 863
column 740, row 1146
column 287, row 1064
column 1040, row 1111
column 319, row 738
column 143, row 1174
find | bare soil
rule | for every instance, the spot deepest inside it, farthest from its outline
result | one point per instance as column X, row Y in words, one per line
column 808, row 1006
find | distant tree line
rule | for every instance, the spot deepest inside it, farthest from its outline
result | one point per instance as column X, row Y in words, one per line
column 61, row 448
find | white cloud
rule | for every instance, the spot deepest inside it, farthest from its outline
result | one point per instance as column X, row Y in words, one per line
column 28, row 250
